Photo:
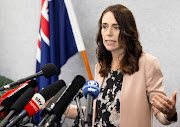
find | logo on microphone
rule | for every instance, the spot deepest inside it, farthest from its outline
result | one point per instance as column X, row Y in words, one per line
column 91, row 89
column 51, row 107
column 38, row 98
column 20, row 87
column 39, row 101
column 92, row 83
column 33, row 105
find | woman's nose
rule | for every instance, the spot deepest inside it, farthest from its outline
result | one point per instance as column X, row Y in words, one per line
column 109, row 31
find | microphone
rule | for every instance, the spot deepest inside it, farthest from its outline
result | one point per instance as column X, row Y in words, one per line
column 18, row 106
column 38, row 101
column 8, row 99
column 52, row 102
column 50, row 105
column 47, row 70
column 90, row 91
column 65, row 99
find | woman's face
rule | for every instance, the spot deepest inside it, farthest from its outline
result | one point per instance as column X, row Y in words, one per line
column 110, row 32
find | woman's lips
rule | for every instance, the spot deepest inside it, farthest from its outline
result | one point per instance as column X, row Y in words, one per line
column 110, row 41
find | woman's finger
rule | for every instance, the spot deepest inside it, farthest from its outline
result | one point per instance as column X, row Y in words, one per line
column 169, row 101
column 174, row 96
column 158, row 105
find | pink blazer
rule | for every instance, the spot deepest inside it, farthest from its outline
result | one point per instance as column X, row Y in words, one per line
column 137, row 92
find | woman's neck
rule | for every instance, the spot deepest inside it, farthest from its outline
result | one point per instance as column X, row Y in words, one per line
column 116, row 59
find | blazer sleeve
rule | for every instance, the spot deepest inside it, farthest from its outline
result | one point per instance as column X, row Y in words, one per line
column 94, row 102
column 155, row 86
column 96, row 75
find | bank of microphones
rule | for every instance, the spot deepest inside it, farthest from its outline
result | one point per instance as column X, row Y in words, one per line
column 24, row 101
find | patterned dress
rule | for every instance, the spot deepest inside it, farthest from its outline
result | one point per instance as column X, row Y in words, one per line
column 108, row 103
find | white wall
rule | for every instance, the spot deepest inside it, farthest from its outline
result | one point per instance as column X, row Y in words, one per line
column 158, row 23
column 19, row 22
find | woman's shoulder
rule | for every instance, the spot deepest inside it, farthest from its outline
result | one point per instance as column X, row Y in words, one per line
column 97, row 66
column 97, row 76
column 149, row 61
column 146, row 57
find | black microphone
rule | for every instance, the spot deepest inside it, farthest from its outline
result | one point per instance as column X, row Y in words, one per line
column 47, row 70
column 16, row 93
column 65, row 99
column 50, row 105
column 52, row 89
column 19, row 105
column 38, row 101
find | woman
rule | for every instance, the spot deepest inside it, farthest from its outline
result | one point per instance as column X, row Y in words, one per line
column 130, row 80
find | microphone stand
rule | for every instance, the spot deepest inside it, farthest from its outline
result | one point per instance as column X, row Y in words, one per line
column 80, row 115
column 51, row 121
column 43, row 120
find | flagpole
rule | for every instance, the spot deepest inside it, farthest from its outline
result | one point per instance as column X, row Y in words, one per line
column 87, row 64
column 77, row 35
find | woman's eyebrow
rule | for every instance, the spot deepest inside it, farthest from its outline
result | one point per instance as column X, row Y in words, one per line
column 114, row 24
column 104, row 23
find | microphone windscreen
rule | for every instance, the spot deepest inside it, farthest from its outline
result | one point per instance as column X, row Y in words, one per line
column 68, row 95
column 52, row 89
column 23, row 100
column 11, row 98
column 49, row 70
column 91, row 87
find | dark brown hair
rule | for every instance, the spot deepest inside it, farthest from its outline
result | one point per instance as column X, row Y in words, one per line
column 128, row 38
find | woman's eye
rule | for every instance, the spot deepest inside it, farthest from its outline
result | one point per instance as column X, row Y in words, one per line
column 116, row 27
column 104, row 26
